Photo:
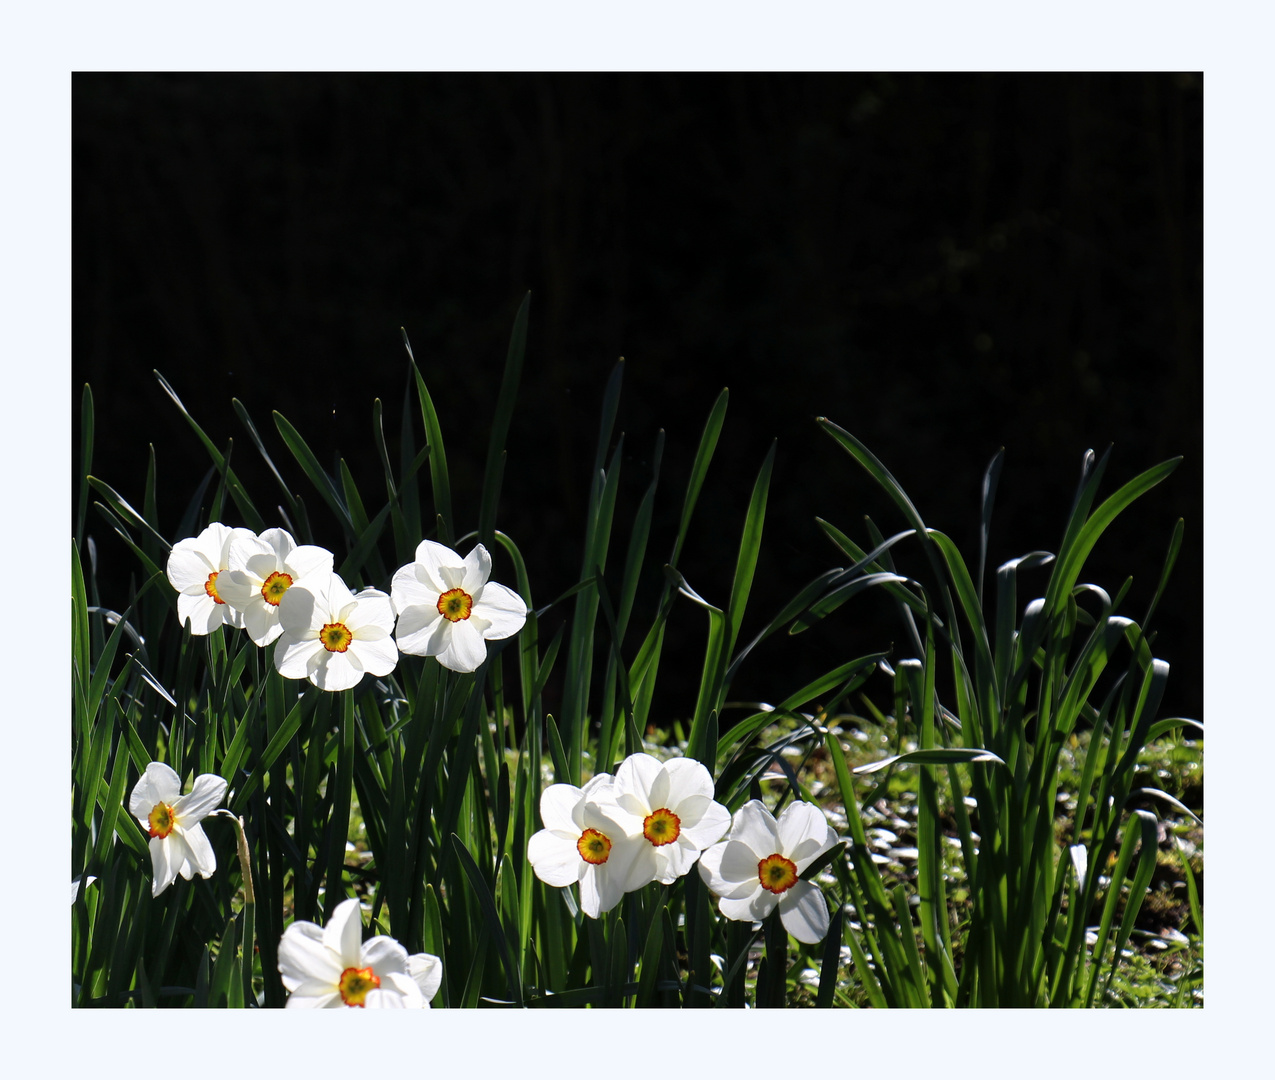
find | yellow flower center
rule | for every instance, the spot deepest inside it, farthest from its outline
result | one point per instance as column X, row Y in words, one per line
column 335, row 637
column 455, row 604
column 777, row 874
column 594, row 848
column 210, row 587
column 355, row 984
column 662, row 826
column 274, row 587
column 161, row 820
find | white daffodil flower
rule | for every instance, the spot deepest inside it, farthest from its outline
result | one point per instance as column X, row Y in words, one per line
column 448, row 609
column 673, row 804
column 331, row 636
column 178, row 844
column 326, row 968
column 758, row 865
column 586, row 840
column 194, row 567
column 263, row 568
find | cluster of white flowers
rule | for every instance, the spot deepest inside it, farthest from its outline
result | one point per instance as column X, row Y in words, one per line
column 654, row 821
column 287, row 595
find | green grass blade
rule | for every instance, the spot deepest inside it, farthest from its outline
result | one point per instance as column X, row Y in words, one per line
column 439, row 477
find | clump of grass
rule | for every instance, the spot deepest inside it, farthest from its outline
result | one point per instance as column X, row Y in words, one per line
column 989, row 827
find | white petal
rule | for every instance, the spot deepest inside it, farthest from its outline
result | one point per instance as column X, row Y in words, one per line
column 636, row 776
column 554, row 858
column 307, row 560
column 752, row 908
column 261, row 620
column 427, row 971
column 280, row 543
column 242, row 547
column 436, row 564
column 710, row 827
column 804, row 912
column 502, row 609
column 736, row 868
column 687, row 778
column 303, row 956
column 383, row 955
column 198, row 855
column 301, row 609
column 202, row 612
column 477, row 569
column 800, row 823
column 333, row 671
column 755, row 826
column 558, row 805
column 372, row 608
column 165, row 873
column 188, row 567
column 465, row 649
column 417, row 628
column 376, row 657
column 205, row 796
column 344, row 933
column 315, row 995
column 292, row 657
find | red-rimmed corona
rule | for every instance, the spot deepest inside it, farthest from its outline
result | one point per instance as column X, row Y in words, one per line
column 354, row 984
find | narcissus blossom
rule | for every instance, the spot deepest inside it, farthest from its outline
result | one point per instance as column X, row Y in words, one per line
column 328, row 967
column 331, row 636
column 758, row 865
column 178, row 844
column 195, row 566
column 585, row 840
column 263, row 568
column 448, row 609
column 673, row 804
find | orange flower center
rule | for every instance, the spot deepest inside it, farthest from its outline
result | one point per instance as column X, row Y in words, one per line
column 594, row 848
column 662, row 826
column 355, row 983
column 455, row 604
column 161, row 820
column 210, row 587
column 274, row 587
column 335, row 637
column 777, row 874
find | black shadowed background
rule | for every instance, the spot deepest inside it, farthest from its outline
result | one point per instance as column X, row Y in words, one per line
column 941, row 264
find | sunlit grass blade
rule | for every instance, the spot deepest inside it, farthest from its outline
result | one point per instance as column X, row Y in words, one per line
column 439, row 476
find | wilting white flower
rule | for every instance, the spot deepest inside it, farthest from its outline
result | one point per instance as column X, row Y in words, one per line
column 585, row 840
column 673, row 804
column 328, row 967
column 758, row 865
column 178, row 844
column 448, row 609
column 331, row 636
column 194, row 567
column 263, row 568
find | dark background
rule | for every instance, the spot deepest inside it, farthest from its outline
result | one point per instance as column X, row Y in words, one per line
column 941, row 264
